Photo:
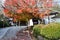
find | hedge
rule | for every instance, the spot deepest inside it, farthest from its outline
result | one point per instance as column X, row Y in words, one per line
column 49, row 31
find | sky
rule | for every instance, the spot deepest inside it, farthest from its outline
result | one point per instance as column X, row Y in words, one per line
column 58, row 1
column 2, row 1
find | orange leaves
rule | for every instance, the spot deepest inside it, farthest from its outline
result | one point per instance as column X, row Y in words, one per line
column 33, row 2
column 14, row 0
column 26, row 7
column 41, row 15
column 8, row 3
column 6, row 11
column 8, row 15
column 35, row 9
column 27, row 1
column 14, row 19
column 47, row 3
column 19, row 11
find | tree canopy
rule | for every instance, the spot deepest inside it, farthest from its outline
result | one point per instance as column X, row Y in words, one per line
column 20, row 9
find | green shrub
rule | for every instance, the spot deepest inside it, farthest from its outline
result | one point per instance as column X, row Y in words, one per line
column 4, row 24
column 36, row 30
column 49, row 31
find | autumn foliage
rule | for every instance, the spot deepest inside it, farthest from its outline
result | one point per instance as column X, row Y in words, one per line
column 24, row 9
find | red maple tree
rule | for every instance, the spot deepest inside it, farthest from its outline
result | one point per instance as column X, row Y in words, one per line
column 18, row 9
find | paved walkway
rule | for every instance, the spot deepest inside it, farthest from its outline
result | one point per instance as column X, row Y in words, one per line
column 10, row 32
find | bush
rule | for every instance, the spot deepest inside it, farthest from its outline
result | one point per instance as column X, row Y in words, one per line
column 36, row 30
column 4, row 24
column 50, row 31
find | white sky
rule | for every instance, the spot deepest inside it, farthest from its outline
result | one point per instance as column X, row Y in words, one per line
column 57, row 1
column 2, row 1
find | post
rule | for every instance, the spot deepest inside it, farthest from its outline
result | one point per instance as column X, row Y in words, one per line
column 16, row 23
column 3, row 22
column 38, row 21
column 19, row 23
